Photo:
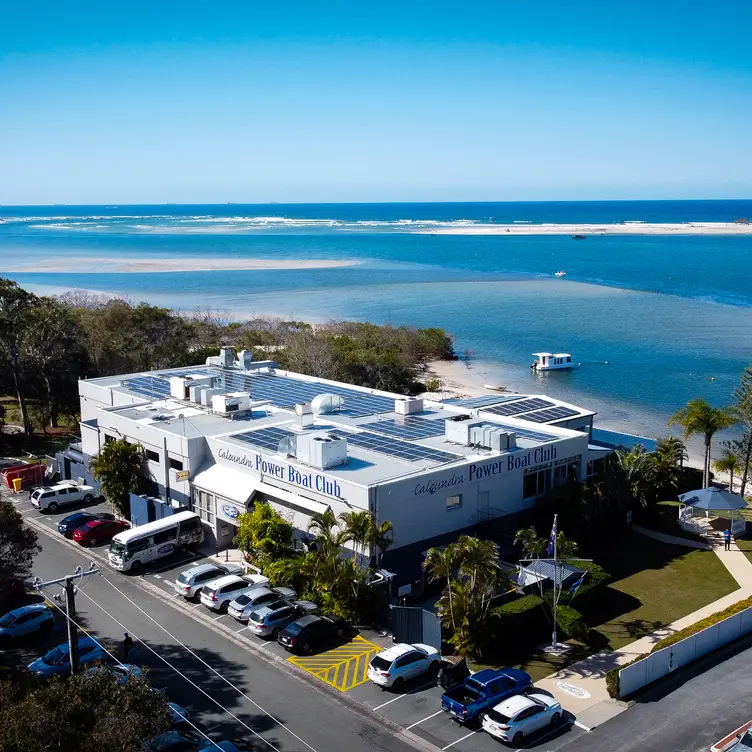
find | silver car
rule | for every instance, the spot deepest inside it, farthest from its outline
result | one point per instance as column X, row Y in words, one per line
column 217, row 594
column 189, row 583
column 270, row 618
column 244, row 604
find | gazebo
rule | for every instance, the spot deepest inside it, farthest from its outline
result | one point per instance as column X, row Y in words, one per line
column 694, row 503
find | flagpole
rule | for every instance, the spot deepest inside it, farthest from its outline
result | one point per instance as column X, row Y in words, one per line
column 556, row 576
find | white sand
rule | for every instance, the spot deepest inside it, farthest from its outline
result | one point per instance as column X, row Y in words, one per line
column 109, row 265
column 625, row 228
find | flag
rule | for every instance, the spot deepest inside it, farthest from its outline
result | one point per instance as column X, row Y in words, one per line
column 552, row 538
column 576, row 585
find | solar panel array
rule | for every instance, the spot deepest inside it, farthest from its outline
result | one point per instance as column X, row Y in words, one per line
column 515, row 408
column 409, row 427
column 267, row 438
column 484, row 401
column 526, row 433
column 553, row 413
column 396, row 448
column 152, row 387
column 286, row 392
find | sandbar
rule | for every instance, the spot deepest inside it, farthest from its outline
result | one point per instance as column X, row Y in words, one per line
column 109, row 265
column 620, row 228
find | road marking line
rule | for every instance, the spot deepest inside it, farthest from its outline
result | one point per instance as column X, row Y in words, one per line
column 433, row 715
column 399, row 697
column 158, row 576
column 582, row 726
column 462, row 739
column 241, row 629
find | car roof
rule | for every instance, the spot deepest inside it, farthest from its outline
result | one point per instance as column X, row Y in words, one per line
column 260, row 590
column 200, row 569
column 395, row 651
column 28, row 608
column 225, row 579
column 512, row 705
column 79, row 514
column 304, row 621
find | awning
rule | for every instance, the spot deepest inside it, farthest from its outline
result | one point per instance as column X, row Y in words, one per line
column 713, row 500
column 287, row 498
column 226, row 482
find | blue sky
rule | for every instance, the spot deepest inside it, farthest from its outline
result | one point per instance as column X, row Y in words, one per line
column 211, row 102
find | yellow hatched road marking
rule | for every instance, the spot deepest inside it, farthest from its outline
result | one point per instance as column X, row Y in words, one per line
column 344, row 667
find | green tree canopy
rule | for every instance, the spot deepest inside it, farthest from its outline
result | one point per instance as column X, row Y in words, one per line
column 18, row 546
column 264, row 532
column 118, row 468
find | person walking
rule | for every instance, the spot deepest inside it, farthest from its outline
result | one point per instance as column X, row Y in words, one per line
column 727, row 540
column 127, row 648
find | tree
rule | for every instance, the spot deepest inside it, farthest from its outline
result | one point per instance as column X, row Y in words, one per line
column 698, row 417
column 634, row 471
column 729, row 463
column 673, row 449
column 15, row 307
column 532, row 546
column 118, row 468
column 264, row 532
column 84, row 713
column 18, row 546
column 382, row 537
column 742, row 410
column 357, row 526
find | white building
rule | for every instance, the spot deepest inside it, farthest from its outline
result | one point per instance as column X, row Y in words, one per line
column 222, row 435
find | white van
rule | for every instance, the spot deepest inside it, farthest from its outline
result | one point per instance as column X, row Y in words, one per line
column 131, row 549
column 49, row 498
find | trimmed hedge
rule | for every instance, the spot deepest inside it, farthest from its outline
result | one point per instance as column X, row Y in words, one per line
column 523, row 620
column 596, row 579
column 703, row 624
column 612, row 676
column 570, row 621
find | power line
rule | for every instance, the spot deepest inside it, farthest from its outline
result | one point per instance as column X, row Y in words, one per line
column 180, row 673
column 114, row 658
column 198, row 658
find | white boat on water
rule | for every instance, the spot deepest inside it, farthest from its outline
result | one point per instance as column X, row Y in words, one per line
column 560, row 273
column 552, row 361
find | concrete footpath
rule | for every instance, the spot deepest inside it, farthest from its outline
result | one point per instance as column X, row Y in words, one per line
column 581, row 687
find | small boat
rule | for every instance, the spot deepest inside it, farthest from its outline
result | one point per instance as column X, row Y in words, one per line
column 578, row 237
column 552, row 361
column 495, row 387
column 560, row 273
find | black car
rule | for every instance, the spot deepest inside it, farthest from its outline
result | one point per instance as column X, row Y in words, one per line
column 68, row 524
column 306, row 634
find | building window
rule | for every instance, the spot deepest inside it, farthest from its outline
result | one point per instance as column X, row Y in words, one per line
column 108, row 438
column 566, row 469
column 176, row 464
column 152, row 456
column 454, row 502
column 536, row 481
column 204, row 505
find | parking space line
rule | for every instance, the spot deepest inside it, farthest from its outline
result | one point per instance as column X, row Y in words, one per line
column 581, row 725
column 241, row 629
column 417, row 723
column 461, row 739
column 400, row 697
column 177, row 564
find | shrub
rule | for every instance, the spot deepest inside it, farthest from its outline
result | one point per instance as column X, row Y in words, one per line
column 597, row 578
column 433, row 385
column 612, row 677
column 523, row 621
column 703, row 624
column 569, row 620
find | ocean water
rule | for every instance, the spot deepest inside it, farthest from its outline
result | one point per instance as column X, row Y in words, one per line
column 653, row 320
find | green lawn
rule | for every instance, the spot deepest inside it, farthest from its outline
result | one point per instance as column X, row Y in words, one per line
column 745, row 544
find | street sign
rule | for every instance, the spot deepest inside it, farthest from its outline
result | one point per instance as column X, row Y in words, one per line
column 182, row 475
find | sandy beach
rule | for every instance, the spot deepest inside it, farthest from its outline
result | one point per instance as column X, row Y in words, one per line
column 109, row 265
column 624, row 228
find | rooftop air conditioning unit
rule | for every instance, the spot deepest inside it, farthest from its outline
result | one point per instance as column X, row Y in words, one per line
column 235, row 402
column 408, row 406
column 194, row 393
column 244, row 359
column 322, row 404
column 321, row 450
column 458, row 431
column 226, row 357
column 179, row 387
column 208, row 394
column 304, row 411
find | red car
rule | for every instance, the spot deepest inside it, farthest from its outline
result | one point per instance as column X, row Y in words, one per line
column 99, row 531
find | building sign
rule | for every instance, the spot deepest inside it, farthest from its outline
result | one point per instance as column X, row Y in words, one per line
column 182, row 475
column 229, row 511
column 478, row 471
column 311, row 481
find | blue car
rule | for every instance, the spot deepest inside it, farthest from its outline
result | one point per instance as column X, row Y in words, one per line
column 56, row 662
column 72, row 522
column 178, row 740
column 120, row 672
column 25, row 620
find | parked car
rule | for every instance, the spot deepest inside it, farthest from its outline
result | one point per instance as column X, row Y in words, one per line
column 521, row 715
column 189, row 583
column 309, row 632
column 120, row 671
column 68, row 524
column 57, row 661
column 99, row 531
column 176, row 740
column 401, row 662
column 269, row 619
column 482, row 691
column 25, row 620
column 178, row 713
column 218, row 594
column 244, row 604
column 50, row 498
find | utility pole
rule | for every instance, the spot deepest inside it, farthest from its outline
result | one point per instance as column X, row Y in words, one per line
column 70, row 607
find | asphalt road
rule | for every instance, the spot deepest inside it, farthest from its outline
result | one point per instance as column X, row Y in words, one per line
column 687, row 712
column 285, row 712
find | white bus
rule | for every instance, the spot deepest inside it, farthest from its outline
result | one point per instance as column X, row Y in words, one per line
column 146, row 543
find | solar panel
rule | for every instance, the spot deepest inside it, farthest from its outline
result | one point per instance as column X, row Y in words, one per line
column 514, row 408
column 153, row 387
column 525, row 433
column 484, row 401
column 409, row 427
column 267, row 438
column 553, row 413
column 396, row 448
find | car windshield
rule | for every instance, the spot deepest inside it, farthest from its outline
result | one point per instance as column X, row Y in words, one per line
column 381, row 664
column 36, row 494
column 182, row 578
column 241, row 600
column 498, row 717
column 256, row 616
column 293, row 628
column 117, row 548
column 7, row 620
column 53, row 657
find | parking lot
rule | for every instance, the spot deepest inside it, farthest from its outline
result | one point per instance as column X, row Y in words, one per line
column 343, row 667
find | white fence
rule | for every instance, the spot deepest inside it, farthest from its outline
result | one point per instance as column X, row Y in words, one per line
column 662, row 662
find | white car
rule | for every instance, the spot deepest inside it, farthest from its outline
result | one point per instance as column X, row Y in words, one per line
column 401, row 662
column 521, row 715
column 246, row 603
column 218, row 594
column 49, row 498
column 189, row 583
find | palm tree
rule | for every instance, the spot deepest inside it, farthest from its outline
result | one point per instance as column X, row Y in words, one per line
column 698, row 417
column 634, row 471
column 118, row 468
column 532, row 546
column 381, row 535
column 673, row 449
column 440, row 564
column 324, row 527
column 729, row 463
column 357, row 525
